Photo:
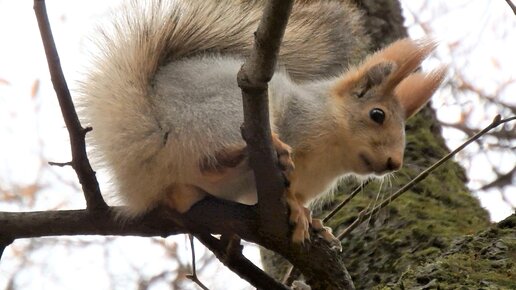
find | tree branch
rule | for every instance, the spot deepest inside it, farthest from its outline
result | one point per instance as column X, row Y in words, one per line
column 322, row 267
column 163, row 222
column 501, row 180
column 328, row 272
column 77, row 133
column 194, row 276
column 513, row 7
column 230, row 254
column 252, row 78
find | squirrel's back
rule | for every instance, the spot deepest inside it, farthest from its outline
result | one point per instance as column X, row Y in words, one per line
column 321, row 39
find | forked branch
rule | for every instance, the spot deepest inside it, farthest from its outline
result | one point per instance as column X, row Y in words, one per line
column 513, row 7
column 77, row 133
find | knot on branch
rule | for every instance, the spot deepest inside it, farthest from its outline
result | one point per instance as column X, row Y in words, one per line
column 248, row 85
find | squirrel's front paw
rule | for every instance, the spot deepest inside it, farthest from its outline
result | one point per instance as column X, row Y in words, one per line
column 300, row 217
column 284, row 156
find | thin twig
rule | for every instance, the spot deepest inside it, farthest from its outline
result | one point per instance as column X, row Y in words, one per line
column 239, row 264
column 497, row 121
column 501, row 180
column 60, row 164
column 346, row 201
column 513, row 7
column 77, row 133
column 193, row 276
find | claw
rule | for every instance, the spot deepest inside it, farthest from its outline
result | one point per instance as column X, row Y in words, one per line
column 326, row 234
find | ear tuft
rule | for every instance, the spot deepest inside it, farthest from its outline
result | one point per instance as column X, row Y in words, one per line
column 409, row 55
column 387, row 67
column 415, row 90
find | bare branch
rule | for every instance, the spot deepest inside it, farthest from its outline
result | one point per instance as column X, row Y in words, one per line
column 77, row 133
column 501, row 180
column 160, row 222
column 252, row 79
column 513, row 7
column 239, row 264
column 321, row 265
column 345, row 201
column 495, row 123
column 193, row 276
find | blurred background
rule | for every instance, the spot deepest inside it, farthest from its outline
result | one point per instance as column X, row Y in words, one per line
column 475, row 40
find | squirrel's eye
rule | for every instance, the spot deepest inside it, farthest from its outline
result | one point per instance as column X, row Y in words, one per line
column 377, row 115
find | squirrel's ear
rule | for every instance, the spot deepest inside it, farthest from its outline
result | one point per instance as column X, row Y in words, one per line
column 415, row 90
column 373, row 77
column 358, row 82
column 388, row 66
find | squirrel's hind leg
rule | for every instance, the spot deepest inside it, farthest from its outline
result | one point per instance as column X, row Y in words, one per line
column 181, row 197
column 234, row 156
column 225, row 159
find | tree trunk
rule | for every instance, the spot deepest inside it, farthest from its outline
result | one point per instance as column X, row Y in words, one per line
column 419, row 239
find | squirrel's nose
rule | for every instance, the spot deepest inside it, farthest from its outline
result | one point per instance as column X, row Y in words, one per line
column 392, row 164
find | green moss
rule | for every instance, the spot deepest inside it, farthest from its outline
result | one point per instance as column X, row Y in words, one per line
column 483, row 261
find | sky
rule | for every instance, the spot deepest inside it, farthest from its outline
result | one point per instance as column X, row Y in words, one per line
column 33, row 133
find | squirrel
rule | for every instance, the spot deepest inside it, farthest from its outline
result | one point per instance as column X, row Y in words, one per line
column 165, row 108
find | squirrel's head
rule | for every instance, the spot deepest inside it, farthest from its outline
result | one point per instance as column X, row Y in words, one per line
column 374, row 100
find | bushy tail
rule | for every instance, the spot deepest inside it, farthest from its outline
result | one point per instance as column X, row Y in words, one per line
column 322, row 36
